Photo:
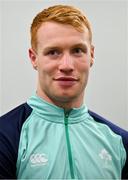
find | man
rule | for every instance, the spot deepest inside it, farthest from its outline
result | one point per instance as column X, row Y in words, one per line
column 54, row 135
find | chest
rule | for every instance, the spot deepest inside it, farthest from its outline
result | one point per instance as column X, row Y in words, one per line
column 59, row 151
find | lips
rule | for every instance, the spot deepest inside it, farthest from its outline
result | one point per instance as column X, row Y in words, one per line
column 66, row 81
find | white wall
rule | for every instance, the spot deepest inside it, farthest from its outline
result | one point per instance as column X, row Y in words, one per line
column 107, row 92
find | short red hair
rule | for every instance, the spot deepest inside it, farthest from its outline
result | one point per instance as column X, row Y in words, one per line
column 63, row 14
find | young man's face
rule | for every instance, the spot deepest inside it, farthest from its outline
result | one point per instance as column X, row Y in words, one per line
column 63, row 59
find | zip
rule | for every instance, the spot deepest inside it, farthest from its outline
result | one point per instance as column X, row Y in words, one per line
column 68, row 145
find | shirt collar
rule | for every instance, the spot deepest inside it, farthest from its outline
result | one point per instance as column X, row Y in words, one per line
column 54, row 113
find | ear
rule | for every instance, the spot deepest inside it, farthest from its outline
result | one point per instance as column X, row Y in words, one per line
column 33, row 58
column 92, row 56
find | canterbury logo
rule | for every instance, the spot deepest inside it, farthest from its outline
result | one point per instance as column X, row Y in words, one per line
column 38, row 159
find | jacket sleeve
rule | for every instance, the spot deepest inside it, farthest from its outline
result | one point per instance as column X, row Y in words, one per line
column 123, row 133
column 10, row 129
column 7, row 152
column 125, row 141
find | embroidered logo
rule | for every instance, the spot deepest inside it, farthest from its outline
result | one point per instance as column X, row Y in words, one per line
column 38, row 159
column 104, row 155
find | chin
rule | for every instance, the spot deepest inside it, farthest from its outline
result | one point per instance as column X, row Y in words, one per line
column 66, row 97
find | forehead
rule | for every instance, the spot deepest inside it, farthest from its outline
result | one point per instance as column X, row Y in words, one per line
column 53, row 33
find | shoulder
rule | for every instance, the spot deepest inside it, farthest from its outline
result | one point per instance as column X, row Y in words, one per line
column 119, row 131
column 20, row 112
column 116, row 129
column 10, row 128
column 11, row 122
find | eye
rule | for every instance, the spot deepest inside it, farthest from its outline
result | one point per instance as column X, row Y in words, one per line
column 53, row 53
column 78, row 51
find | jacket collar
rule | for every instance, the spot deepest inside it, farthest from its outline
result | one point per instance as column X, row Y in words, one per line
column 54, row 113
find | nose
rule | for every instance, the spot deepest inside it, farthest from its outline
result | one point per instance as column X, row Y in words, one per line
column 66, row 64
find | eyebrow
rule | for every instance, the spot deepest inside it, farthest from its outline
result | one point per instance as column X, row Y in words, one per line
column 52, row 47
column 83, row 45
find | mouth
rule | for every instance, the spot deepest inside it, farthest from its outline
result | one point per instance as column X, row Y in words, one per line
column 66, row 81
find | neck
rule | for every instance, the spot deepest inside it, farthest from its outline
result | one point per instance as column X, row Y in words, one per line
column 66, row 104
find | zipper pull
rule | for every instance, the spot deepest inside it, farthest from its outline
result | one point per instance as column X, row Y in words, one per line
column 66, row 119
column 66, row 114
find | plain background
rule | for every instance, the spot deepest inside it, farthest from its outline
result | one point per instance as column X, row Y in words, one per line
column 107, row 91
